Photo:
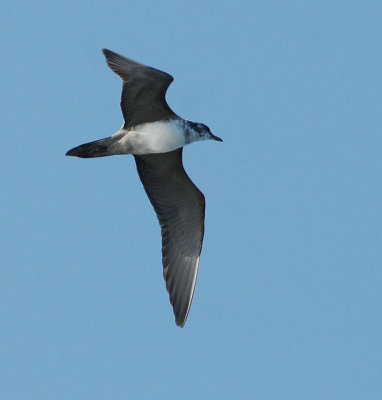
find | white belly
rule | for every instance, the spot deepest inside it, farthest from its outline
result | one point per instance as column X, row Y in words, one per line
column 151, row 137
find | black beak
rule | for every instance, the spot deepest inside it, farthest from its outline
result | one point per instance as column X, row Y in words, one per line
column 215, row 138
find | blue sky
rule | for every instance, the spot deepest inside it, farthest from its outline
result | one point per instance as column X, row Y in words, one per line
column 288, row 299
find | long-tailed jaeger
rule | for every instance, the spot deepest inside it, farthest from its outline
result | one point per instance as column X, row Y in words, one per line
column 155, row 136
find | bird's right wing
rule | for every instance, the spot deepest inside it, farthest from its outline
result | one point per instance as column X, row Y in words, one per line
column 179, row 206
column 143, row 91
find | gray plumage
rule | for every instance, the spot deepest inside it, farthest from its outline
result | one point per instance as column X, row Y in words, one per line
column 155, row 135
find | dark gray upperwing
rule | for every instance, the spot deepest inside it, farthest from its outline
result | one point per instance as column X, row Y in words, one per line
column 180, row 206
column 143, row 90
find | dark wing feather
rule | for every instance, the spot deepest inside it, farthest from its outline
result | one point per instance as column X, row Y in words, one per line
column 180, row 206
column 143, row 91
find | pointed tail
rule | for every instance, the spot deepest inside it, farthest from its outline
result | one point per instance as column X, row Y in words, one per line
column 98, row 148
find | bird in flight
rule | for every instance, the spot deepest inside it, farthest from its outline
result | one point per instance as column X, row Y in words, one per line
column 155, row 136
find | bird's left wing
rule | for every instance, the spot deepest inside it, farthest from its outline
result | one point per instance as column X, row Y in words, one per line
column 179, row 206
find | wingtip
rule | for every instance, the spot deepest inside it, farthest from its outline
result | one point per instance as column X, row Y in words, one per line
column 180, row 323
column 107, row 53
column 70, row 152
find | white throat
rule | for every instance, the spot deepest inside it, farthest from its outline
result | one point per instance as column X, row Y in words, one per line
column 155, row 137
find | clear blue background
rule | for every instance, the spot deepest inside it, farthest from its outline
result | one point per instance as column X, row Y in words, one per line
column 288, row 301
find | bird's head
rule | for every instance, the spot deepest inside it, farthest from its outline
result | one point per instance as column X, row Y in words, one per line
column 204, row 131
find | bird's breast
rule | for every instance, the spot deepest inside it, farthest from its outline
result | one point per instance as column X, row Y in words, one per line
column 155, row 137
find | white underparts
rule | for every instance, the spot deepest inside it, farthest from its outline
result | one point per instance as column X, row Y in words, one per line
column 153, row 137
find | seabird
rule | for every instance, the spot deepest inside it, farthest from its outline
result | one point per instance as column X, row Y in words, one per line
column 155, row 136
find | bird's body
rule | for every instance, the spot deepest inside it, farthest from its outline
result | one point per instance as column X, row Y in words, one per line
column 155, row 135
column 151, row 138
column 147, row 138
